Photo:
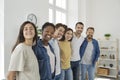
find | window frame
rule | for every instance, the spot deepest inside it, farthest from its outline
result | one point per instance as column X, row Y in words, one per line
column 60, row 9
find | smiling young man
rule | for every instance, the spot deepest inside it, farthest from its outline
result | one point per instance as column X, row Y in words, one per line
column 89, row 52
column 76, row 43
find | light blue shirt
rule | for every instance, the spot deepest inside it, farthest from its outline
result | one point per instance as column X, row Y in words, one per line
column 55, row 46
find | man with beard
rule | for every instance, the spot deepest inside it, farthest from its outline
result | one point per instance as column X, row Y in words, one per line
column 89, row 52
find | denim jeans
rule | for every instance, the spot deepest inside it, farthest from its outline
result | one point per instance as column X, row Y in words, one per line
column 87, row 68
column 66, row 74
column 80, row 71
column 57, row 77
column 75, row 66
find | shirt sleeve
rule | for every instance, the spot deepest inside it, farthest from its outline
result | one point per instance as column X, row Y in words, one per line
column 17, row 60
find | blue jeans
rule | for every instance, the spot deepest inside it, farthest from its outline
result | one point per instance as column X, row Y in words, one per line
column 87, row 68
column 57, row 77
column 80, row 71
column 66, row 74
column 75, row 66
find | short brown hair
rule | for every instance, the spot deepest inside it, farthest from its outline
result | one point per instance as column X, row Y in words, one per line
column 90, row 28
column 79, row 23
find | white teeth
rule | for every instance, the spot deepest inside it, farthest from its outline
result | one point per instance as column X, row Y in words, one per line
column 48, row 36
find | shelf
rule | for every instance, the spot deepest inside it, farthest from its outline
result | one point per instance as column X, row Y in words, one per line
column 107, row 59
column 108, row 50
column 107, row 67
column 112, row 76
column 103, row 41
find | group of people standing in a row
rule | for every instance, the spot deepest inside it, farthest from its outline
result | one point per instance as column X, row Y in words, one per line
column 60, row 54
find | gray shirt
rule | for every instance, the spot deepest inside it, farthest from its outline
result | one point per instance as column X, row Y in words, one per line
column 87, row 57
column 24, row 61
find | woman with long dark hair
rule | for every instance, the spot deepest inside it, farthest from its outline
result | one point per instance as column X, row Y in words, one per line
column 23, row 63
column 65, row 54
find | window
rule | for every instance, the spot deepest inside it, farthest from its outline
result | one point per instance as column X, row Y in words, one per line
column 60, row 17
column 61, row 3
column 51, row 1
column 58, row 11
column 50, row 15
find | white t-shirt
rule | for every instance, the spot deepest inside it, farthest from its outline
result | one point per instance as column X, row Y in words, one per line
column 52, row 58
column 76, row 43
column 24, row 61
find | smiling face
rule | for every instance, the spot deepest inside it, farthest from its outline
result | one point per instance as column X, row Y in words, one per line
column 28, row 32
column 79, row 28
column 68, row 35
column 59, row 32
column 47, row 33
column 90, row 33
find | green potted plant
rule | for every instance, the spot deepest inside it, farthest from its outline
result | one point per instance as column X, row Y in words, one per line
column 107, row 36
column 39, row 31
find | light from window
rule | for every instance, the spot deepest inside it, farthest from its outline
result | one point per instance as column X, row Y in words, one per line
column 61, row 3
column 60, row 17
column 50, row 15
column 63, row 18
column 57, row 11
column 51, row 1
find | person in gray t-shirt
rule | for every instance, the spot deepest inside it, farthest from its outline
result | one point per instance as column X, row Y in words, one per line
column 23, row 63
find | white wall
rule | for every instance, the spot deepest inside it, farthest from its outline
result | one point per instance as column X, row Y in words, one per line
column 104, row 15
column 76, row 13
column 72, row 13
column 1, row 39
column 16, row 12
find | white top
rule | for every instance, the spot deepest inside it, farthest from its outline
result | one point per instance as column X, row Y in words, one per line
column 54, row 44
column 76, row 43
column 25, row 63
column 87, row 57
column 52, row 58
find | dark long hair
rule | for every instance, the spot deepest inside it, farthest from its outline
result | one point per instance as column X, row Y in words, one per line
column 20, row 37
column 63, row 37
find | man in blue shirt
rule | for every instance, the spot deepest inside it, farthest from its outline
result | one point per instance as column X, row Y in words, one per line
column 89, row 52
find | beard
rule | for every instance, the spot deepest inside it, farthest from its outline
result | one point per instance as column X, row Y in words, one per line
column 89, row 36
